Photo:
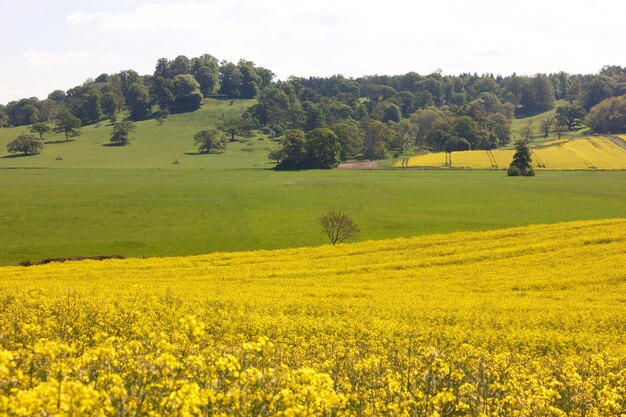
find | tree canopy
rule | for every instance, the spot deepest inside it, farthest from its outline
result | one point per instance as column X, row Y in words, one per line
column 210, row 139
column 26, row 144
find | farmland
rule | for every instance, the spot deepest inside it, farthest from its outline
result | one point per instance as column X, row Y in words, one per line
column 578, row 154
column 81, row 212
column 524, row 321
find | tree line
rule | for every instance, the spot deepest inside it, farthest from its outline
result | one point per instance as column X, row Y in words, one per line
column 177, row 85
column 369, row 116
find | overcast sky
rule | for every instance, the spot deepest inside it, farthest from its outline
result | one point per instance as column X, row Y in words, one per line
column 48, row 45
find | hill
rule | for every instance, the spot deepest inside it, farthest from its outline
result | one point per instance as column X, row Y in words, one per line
column 518, row 321
column 153, row 145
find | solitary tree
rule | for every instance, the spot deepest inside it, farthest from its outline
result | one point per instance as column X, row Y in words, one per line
column 41, row 128
column 546, row 125
column 209, row 139
column 338, row 226
column 121, row 132
column 521, row 161
column 26, row 144
column 527, row 131
column 68, row 124
column 232, row 126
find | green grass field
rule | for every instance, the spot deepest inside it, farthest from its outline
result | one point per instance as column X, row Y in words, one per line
column 79, row 212
column 152, row 146
column 535, row 123
column 134, row 201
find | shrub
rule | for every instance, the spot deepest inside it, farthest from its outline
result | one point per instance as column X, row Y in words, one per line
column 513, row 171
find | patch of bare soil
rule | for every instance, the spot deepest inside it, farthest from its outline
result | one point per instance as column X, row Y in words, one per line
column 360, row 165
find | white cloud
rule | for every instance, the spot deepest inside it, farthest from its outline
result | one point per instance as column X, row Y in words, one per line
column 324, row 37
column 37, row 58
column 43, row 59
column 80, row 17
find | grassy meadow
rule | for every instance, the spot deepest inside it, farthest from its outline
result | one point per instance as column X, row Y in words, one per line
column 134, row 201
column 79, row 212
column 152, row 145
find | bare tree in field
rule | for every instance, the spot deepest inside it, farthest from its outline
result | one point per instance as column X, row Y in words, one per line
column 338, row 226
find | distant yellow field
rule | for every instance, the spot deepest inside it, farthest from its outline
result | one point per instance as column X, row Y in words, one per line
column 580, row 154
column 527, row 321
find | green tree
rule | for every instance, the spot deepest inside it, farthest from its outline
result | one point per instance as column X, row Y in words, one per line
column 598, row 88
column 609, row 116
column 4, row 117
column 209, row 139
column 68, row 124
column 26, row 144
column 138, row 101
column 276, row 154
column 500, row 125
column 572, row 114
column 377, row 134
column 404, row 136
column 293, row 150
column 521, row 161
column 121, row 132
column 538, row 94
column 187, row 93
column 109, row 104
column 514, row 87
column 350, row 138
column 41, row 128
column 467, row 128
column 205, row 69
column 322, row 149
column 233, row 126
column 231, row 80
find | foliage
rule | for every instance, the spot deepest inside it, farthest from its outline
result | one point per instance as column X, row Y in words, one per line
column 350, row 137
column 109, row 104
column 210, row 139
column 609, row 116
column 386, row 328
column 377, row 135
column 338, row 226
column 26, row 144
column 293, row 150
column 40, row 128
column 322, row 148
column 235, row 126
column 521, row 164
column 538, row 94
column 121, row 132
column 138, row 100
column 572, row 114
column 68, row 124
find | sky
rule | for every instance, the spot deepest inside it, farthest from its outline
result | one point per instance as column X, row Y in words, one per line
column 49, row 45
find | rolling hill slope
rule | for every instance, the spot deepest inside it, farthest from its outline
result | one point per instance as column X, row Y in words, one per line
column 153, row 145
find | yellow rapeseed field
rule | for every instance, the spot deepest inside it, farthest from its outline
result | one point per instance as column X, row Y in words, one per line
column 593, row 152
column 528, row 321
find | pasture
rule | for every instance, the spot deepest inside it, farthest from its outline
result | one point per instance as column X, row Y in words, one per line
column 79, row 212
